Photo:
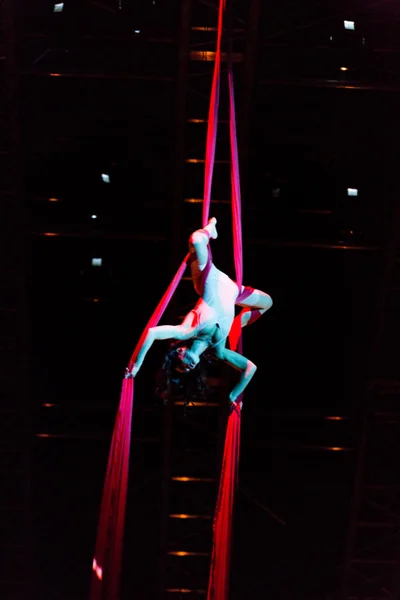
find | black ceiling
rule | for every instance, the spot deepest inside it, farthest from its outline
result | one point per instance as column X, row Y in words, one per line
column 110, row 87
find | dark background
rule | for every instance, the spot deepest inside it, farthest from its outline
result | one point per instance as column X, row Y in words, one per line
column 117, row 87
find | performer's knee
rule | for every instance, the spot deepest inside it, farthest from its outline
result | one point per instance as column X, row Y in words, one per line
column 266, row 301
column 199, row 238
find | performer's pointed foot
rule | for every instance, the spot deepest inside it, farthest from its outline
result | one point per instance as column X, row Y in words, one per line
column 212, row 227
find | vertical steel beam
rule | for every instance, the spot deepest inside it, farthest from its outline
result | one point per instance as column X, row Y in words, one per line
column 248, row 84
column 176, row 256
column 14, row 392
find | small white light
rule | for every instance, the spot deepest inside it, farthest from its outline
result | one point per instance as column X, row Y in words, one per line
column 352, row 192
column 331, row 38
column 97, row 262
column 94, row 216
column 137, row 30
column 105, row 177
column 59, row 7
column 350, row 25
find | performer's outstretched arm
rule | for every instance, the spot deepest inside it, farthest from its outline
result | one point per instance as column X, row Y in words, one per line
column 162, row 332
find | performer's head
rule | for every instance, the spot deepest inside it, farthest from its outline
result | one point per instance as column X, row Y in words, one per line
column 186, row 359
column 182, row 373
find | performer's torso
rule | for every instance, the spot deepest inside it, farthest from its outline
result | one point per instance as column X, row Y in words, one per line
column 215, row 310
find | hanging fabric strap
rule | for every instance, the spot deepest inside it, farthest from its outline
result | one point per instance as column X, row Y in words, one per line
column 218, row 583
column 107, row 560
column 211, row 140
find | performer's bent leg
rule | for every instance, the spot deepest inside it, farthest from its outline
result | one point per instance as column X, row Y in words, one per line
column 255, row 303
column 198, row 243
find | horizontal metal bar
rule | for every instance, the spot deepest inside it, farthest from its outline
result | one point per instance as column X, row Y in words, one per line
column 184, row 553
column 329, row 83
column 105, row 38
column 200, row 201
column 201, row 161
column 115, row 76
column 185, row 591
column 198, row 404
column 207, row 56
column 100, row 235
column 250, row 242
column 185, row 516
column 70, row 436
column 194, row 479
column 377, row 524
column 373, row 561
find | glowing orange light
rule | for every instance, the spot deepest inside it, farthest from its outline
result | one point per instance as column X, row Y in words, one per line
column 184, row 553
column 198, row 404
column 336, row 449
column 204, row 29
column 334, row 418
column 51, row 234
column 184, row 479
column 43, row 435
column 55, row 74
column 184, row 516
column 344, row 68
column 53, row 199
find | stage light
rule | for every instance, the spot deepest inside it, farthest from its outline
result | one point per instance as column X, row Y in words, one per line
column 94, row 216
column 105, row 177
column 97, row 262
column 344, row 68
column 59, row 7
column 350, row 25
column 137, row 30
column 53, row 199
column 352, row 192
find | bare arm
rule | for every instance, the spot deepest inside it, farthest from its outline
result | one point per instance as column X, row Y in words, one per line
column 162, row 332
column 242, row 364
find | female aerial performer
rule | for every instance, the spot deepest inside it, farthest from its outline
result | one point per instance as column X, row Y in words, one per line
column 207, row 326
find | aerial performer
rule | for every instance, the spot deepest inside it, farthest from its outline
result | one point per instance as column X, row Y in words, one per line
column 205, row 329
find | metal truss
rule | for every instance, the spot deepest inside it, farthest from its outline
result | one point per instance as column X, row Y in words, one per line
column 372, row 569
column 15, row 440
column 374, row 556
column 193, row 444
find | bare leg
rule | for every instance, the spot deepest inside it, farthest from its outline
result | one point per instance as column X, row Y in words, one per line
column 255, row 305
column 198, row 243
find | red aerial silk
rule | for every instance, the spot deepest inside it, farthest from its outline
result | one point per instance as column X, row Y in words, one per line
column 107, row 559
column 218, row 583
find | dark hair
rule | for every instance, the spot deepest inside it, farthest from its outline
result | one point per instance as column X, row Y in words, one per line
column 172, row 384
